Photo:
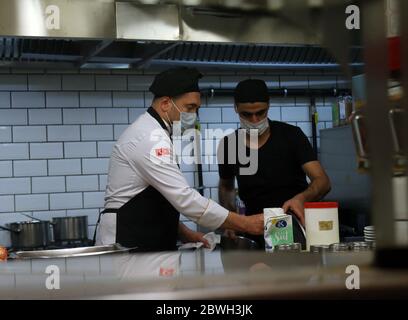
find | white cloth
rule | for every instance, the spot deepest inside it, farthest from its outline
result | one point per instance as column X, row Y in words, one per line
column 211, row 237
column 142, row 157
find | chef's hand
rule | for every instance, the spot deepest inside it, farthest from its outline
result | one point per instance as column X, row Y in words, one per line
column 229, row 233
column 296, row 205
column 255, row 224
column 194, row 236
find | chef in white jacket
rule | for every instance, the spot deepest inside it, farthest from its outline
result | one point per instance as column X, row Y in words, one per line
column 146, row 191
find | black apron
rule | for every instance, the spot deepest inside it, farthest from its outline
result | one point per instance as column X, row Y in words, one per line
column 147, row 221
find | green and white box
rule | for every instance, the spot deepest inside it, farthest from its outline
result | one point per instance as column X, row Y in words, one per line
column 278, row 228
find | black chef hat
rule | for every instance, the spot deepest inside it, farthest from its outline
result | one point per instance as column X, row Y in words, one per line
column 251, row 90
column 176, row 81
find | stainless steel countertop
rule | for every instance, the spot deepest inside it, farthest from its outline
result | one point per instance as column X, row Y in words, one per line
column 196, row 275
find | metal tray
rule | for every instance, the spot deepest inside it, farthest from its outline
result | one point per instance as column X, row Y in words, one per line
column 71, row 252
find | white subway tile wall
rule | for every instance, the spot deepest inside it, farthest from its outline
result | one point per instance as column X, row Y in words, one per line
column 7, row 203
column 5, row 134
column 82, row 183
column 6, row 169
column 80, row 149
column 13, row 117
column 62, row 99
column 29, row 134
column 58, row 128
column 44, row 82
column 28, row 100
column 29, row 168
column 4, row 99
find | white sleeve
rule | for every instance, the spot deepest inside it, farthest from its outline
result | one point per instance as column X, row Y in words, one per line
column 154, row 162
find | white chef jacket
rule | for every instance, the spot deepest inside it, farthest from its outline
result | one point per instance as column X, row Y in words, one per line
column 142, row 157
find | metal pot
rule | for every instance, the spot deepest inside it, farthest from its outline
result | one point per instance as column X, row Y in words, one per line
column 238, row 243
column 70, row 228
column 29, row 234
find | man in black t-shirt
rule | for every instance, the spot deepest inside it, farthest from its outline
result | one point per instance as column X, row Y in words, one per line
column 284, row 159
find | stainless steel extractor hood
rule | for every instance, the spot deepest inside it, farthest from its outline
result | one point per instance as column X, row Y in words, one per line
column 135, row 34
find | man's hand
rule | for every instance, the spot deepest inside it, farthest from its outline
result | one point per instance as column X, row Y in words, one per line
column 255, row 224
column 229, row 233
column 296, row 205
column 188, row 235
column 195, row 236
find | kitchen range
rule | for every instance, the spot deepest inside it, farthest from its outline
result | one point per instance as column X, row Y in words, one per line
column 114, row 132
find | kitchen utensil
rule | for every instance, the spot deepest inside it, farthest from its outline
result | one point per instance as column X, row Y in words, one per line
column 238, row 243
column 70, row 228
column 29, row 234
column 72, row 252
column 360, row 139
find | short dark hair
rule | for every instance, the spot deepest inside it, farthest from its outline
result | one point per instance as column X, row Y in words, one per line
column 251, row 90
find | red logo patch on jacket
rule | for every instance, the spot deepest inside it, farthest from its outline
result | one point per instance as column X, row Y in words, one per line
column 162, row 152
column 166, row 272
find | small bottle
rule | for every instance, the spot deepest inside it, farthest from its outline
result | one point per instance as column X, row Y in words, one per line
column 342, row 111
column 335, row 114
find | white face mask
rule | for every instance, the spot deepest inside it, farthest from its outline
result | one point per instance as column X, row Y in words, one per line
column 187, row 119
column 261, row 126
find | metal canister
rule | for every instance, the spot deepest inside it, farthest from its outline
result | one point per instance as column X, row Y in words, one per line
column 294, row 247
column 283, row 247
column 70, row 228
column 339, row 247
column 360, row 246
column 319, row 248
